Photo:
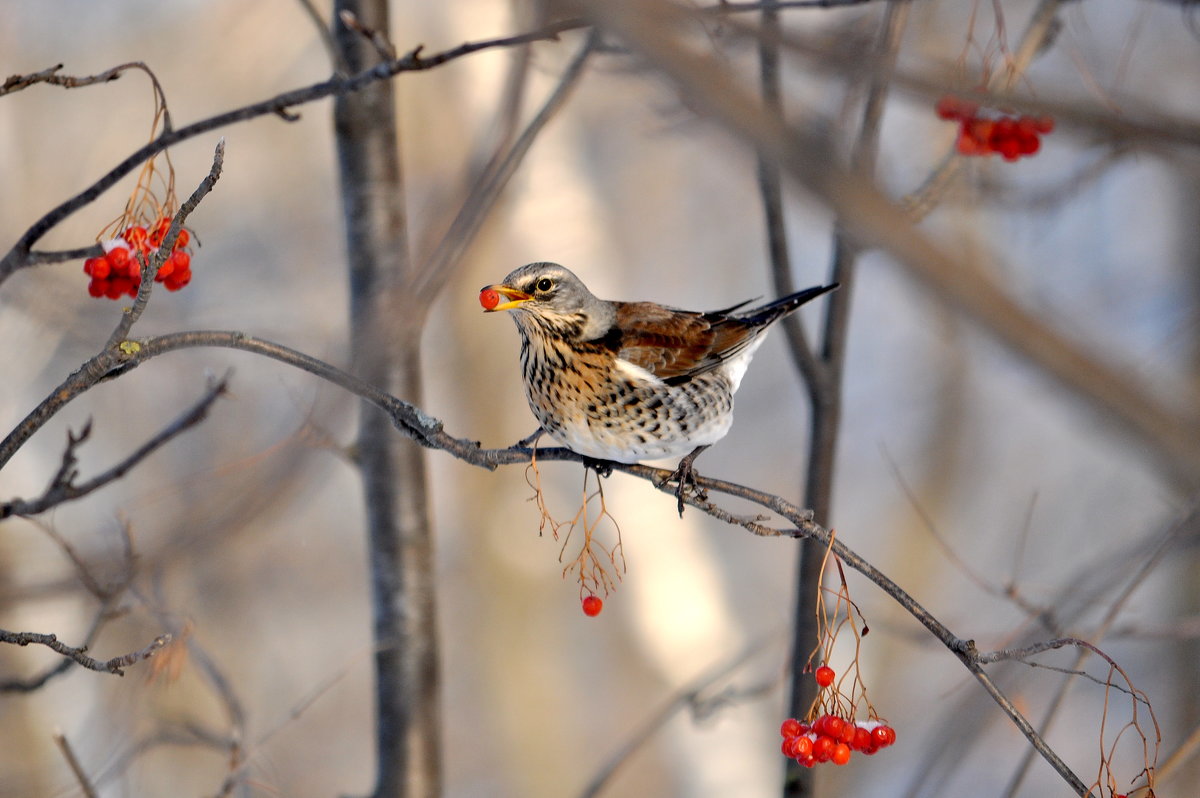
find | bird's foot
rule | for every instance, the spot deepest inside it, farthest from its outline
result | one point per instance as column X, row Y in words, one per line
column 603, row 468
column 685, row 479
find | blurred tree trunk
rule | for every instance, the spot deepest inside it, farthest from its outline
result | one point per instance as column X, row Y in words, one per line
column 393, row 470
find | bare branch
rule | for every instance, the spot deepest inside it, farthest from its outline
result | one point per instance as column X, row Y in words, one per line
column 50, row 76
column 63, row 488
column 115, row 665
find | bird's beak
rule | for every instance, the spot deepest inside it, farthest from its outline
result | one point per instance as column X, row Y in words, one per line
column 515, row 298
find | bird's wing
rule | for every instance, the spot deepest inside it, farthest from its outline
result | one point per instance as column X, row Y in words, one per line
column 676, row 345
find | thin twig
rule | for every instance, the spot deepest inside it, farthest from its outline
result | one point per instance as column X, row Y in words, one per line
column 325, row 35
column 50, row 76
column 85, row 783
column 115, row 665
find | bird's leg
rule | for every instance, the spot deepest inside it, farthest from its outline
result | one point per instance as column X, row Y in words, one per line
column 686, row 475
column 529, row 440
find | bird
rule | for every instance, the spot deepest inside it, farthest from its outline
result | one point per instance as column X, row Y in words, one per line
column 631, row 381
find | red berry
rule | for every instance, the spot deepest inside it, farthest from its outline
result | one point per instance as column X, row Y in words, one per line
column 592, row 606
column 834, row 726
column 118, row 258
column 824, row 675
column 801, row 748
column 489, row 299
column 975, row 135
column 822, row 748
column 166, row 270
column 115, row 287
column 177, row 279
column 883, row 736
column 786, row 746
column 1010, row 148
column 862, row 739
column 947, row 107
column 182, row 239
column 97, row 287
column 849, row 730
column 136, row 236
column 1044, row 124
column 841, row 754
column 790, row 728
column 98, row 268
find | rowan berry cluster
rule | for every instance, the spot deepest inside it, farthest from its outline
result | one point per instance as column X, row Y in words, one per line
column 826, row 736
column 1000, row 134
column 833, row 739
column 119, row 271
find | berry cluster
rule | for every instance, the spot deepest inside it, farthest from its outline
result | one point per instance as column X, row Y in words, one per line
column 119, row 271
column 833, row 739
column 1005, row 135
column 592, row 606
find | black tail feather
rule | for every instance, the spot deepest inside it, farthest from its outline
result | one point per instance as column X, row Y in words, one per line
column 764, row 314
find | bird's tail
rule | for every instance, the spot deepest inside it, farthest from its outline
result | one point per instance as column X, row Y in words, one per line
column 765, row 314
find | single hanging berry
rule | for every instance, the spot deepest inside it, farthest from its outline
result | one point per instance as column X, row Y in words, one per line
column 592, row 606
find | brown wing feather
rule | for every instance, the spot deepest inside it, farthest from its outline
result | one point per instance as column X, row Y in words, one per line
column 675, row 345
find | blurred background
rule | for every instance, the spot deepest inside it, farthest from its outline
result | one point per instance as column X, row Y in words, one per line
column 247, row 531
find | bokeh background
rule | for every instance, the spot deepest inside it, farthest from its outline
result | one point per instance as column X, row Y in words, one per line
column 248, row 530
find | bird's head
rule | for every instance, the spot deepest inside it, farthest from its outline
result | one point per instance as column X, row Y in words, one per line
column 550, row 297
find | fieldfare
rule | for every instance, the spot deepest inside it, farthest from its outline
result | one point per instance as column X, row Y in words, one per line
column 630, row 381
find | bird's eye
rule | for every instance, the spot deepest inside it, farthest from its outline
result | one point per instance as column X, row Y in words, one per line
column 545, row 284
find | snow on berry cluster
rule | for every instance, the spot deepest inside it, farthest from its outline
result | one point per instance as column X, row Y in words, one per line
column 998, row 134
column 830, row 738
column 825, row 736
column 119, row 271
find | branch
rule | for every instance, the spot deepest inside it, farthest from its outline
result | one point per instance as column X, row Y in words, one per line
column 115, row 665
column 429, row 432
column 62, row 487
column 16, row 83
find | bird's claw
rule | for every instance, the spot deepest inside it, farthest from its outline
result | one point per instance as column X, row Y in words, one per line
column 685, row 479
column 603, row 468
